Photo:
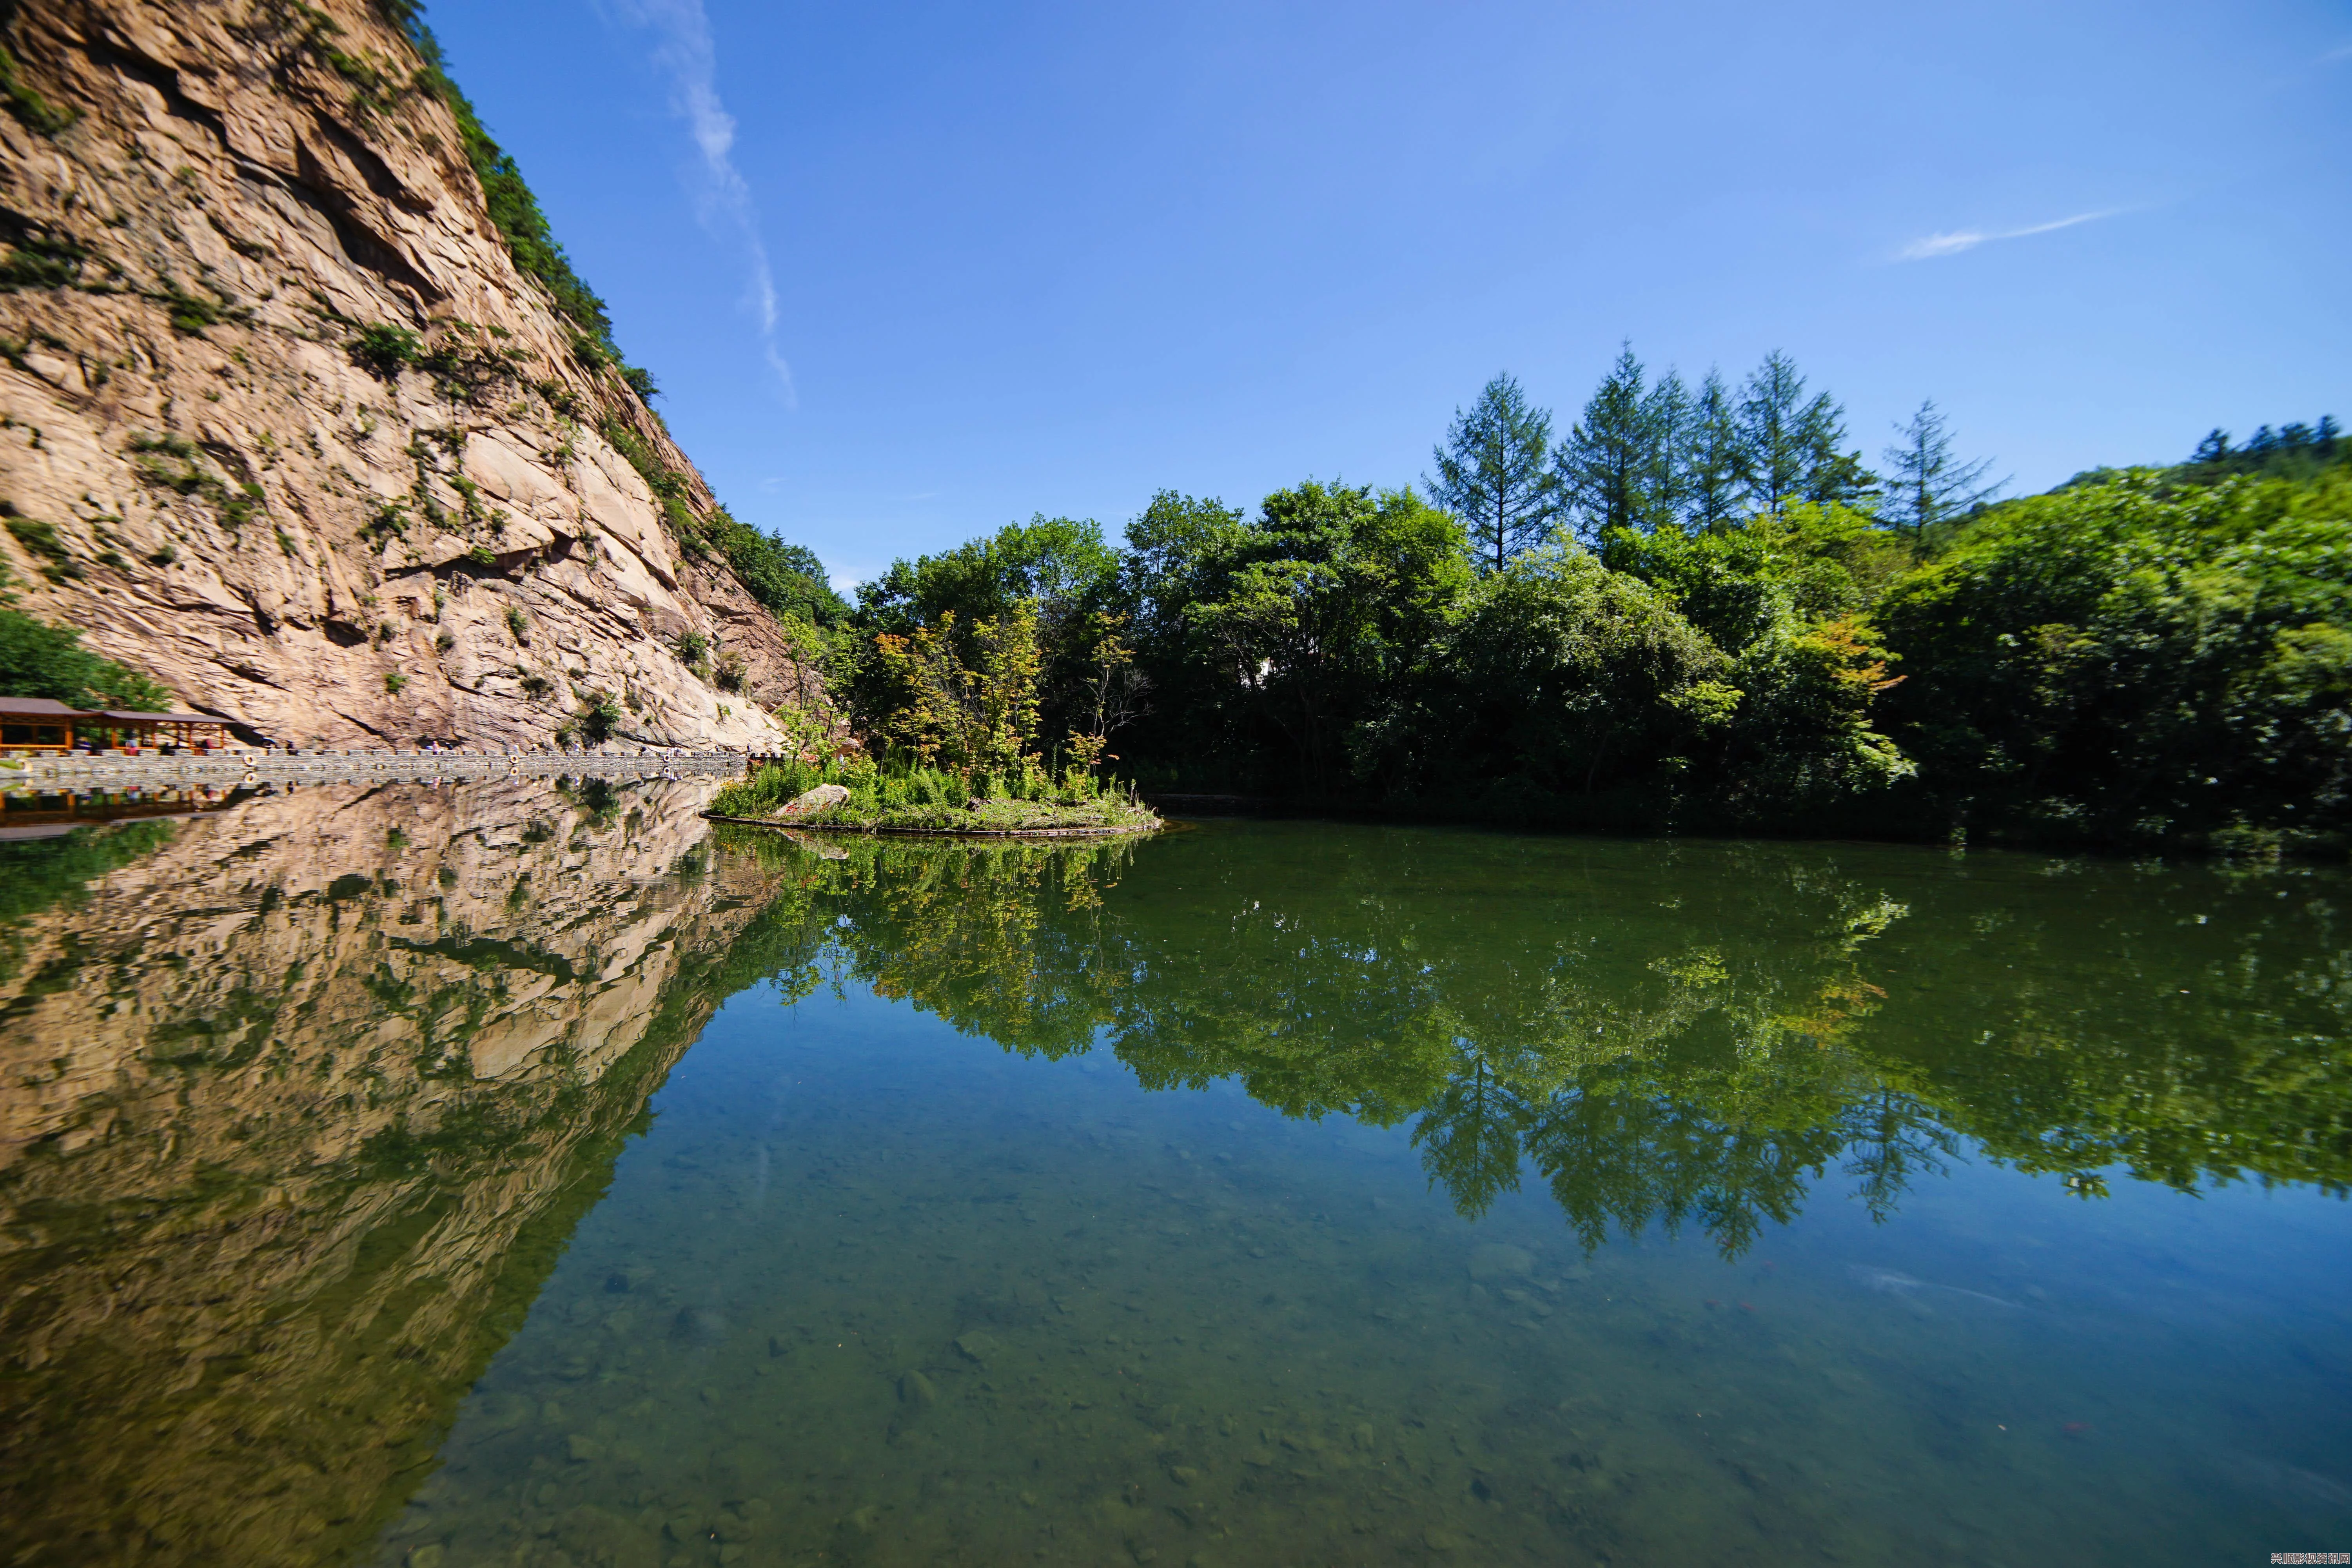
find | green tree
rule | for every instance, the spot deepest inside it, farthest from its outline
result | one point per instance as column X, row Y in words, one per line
column 1711, row 459
column 1059, row 566
column 1492, row 473
column 788, row 579
column 972, row 714
column 37, row 659
column 1925, row 484
column 1057, row 561
column 1773, row 445
column 1831, row 477
column 1562, row 682
column 2135, row 660
column 1326, row 600
column 1614, row 467
column 1178, row 550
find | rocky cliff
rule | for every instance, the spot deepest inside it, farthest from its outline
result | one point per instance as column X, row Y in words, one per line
column 284, row 423
column 300, row 1108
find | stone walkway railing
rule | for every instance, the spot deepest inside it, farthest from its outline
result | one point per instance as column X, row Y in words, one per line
column 79, row 775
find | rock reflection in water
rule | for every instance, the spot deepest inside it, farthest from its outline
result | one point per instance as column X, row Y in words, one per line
column 301, row 1101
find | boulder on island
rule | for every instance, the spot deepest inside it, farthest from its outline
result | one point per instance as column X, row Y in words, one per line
column 821, row 798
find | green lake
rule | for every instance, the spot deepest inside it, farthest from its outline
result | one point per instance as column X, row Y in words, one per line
column 527, row 1175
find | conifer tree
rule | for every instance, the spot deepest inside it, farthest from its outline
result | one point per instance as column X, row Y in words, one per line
column 1773, row 436
column 1711, row 462
column 1832, row 474
column 1927, row 484
column 1667, row 417
column 1491, row 473
column 1607, row 466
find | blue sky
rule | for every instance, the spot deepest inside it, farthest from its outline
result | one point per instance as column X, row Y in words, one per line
column 906, row 272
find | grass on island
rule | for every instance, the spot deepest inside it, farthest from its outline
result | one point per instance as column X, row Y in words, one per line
column 906, row 798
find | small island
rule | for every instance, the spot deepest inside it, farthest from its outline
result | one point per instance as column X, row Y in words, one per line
column 853, row 794
column 953, row 741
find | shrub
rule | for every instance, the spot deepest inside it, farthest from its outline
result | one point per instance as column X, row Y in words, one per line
column 899, row 785
column 691, row 646
column 40, row 538
column 37, row 659
column 394, row 680
column 191, row 313
column 385, row 349
column 388, row 521
column 598, row 717
column 37, row 112
column 237, row 506
column 38, row 262
column 519, row 625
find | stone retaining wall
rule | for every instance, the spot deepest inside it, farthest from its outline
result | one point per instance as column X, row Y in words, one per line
column 79, row 775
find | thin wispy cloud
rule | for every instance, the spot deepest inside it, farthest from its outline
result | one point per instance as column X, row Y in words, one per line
column 1953, row 243
column 2332, row 56
column 723, row 202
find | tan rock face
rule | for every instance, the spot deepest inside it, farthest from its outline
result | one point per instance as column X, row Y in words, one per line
column 326, row 545
column 300, row 1108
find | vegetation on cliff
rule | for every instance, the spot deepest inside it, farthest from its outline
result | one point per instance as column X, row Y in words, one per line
column 786, row 578
column 38, row 660
column 336, row 550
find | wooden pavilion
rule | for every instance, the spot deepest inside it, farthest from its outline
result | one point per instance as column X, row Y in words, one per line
column 37, row 724
column 190, row 732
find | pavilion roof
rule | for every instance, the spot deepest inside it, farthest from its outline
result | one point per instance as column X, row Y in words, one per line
column 39, row 707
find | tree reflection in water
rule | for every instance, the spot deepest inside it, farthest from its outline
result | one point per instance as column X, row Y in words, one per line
column 1662, row 1035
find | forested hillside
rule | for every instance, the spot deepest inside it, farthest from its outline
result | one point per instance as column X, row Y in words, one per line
column 1698, row 609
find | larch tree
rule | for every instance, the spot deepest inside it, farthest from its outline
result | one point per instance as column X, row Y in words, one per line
column 1607, row 466
column 1670, row 418
column 1925, row 484
column 1772, row 436
column 1711, row 460
column 1492, row 473
column 1832, row 474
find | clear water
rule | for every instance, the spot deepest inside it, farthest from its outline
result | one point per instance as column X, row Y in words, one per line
column 1268, row 1193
